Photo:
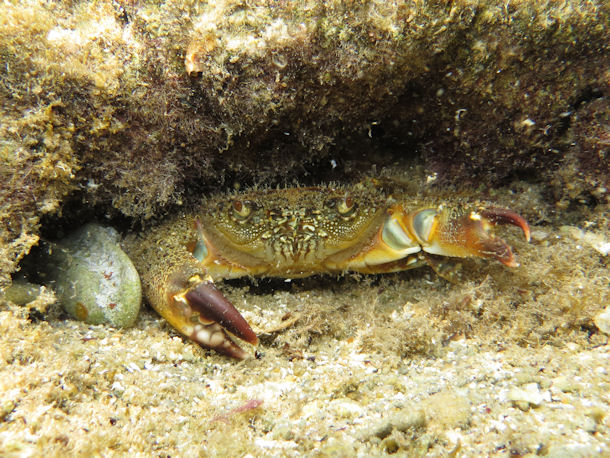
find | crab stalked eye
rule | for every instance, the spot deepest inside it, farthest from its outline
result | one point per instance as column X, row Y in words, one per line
column 346, row 206
column 241, row 209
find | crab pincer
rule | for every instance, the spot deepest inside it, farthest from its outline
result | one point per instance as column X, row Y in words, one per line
column 470, row 234
column 495, row 247
column 207, row 317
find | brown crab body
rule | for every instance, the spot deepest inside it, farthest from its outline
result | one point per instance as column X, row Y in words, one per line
column 297, row 232
column 288, row 234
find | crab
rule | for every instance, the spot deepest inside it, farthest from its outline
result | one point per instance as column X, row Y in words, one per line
column 298, row 232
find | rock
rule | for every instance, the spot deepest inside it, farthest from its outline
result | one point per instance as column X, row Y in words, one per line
column 602, row 320
column 95, row 281
column 22, row 292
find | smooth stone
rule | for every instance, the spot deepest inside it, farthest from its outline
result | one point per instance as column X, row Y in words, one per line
column 95, row 281
column 22, row 292
column 602, row 320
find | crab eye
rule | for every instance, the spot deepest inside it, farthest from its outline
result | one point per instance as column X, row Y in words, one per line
column 346, row 206
column 241, row 209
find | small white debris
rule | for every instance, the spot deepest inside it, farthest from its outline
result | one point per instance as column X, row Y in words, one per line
column 595, row 240
column 539, row 235
column 459, row 113
column 603, row 248
column 116, row 386
column 528, row 123
column 132, row 367
column 345, row 408
column 527, row 396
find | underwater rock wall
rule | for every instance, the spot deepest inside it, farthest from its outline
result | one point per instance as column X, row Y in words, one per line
column 134, row 107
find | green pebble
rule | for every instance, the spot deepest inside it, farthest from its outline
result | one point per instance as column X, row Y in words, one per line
column 95, row 281
column 22, row 292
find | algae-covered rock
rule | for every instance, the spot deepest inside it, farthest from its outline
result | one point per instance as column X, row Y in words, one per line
column 22, row 292
column 142, row 106
column 94, row 279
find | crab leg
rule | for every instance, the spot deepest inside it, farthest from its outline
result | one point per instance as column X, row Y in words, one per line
column 203, row 314
column 447, row 233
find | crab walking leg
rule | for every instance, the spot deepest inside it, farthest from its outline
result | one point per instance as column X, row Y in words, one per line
column 450, row 233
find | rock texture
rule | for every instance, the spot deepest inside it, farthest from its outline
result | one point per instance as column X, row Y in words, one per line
column 125, row 111
column 137, row 107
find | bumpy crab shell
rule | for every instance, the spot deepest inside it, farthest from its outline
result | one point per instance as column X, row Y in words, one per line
column 297, row 232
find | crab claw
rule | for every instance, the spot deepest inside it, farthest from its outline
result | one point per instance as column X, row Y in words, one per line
column 445, row 233
column 498, row 216
column 204, row 315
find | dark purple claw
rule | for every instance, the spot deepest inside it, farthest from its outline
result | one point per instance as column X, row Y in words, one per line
column 212, row 306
